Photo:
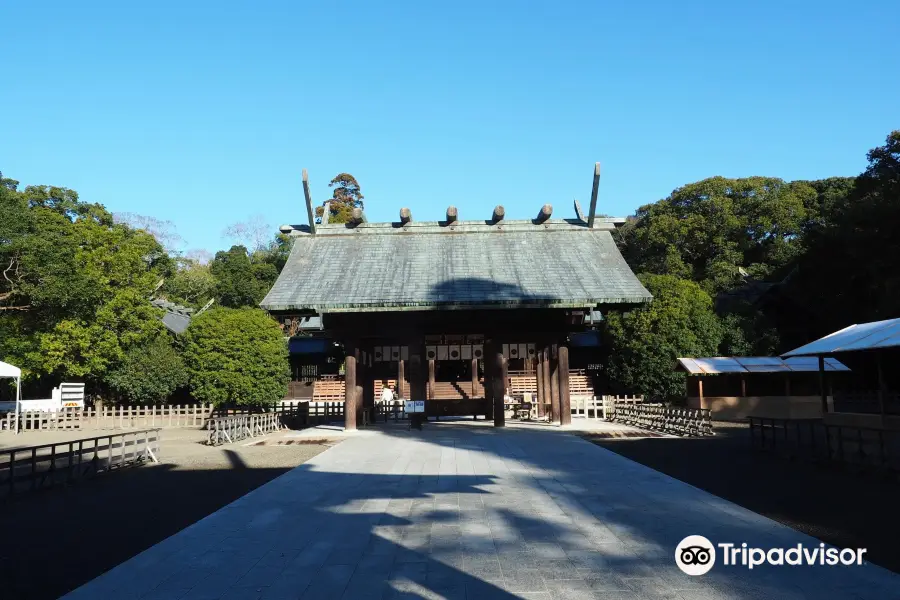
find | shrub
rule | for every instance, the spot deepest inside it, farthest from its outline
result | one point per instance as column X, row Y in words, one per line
column 149, row 373
column 236, row 356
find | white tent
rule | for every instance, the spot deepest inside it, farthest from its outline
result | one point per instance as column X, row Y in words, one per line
column 11, row 372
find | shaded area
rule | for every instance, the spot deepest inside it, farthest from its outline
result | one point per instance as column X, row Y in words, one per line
column 840, row 507
column 54, row 540
column 463, row 510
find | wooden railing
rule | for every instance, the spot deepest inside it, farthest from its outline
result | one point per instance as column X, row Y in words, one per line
column 664, row 419
column 35, row 467
column 227, row 430
column 111, row 417
column 812, row 439
column 866, row 402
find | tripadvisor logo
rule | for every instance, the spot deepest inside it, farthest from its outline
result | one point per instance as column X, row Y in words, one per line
column 696, row 555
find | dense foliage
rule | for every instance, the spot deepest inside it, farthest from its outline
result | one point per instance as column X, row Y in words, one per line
column 75, row 290
column 150, row 373
column 641, row 344
column 236, row 356
column 784, row 263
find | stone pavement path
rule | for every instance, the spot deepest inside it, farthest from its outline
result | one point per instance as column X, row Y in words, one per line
column 461, row 510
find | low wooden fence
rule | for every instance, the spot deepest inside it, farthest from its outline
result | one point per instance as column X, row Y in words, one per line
column 35, row 467
column 230, row 429
column 812, row 439
column 599, row 407
column 111, row 417
column 665, row 419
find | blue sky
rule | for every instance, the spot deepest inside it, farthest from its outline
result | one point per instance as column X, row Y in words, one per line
column 204, row 113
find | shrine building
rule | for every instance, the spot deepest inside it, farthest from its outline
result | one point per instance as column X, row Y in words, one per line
column 448, row 309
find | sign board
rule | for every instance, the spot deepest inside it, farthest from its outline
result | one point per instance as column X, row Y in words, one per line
column 414, row 406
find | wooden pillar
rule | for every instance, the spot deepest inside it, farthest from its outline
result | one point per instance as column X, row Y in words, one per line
column 823, row 391
column 505, row 375
column 474, row 377
column 545, row 376
column 401, row 379
column 350, row 390
column 565, row 404
column 431, row 379
column 554, row 385
column 488, row 377
column 700, row 390
column 743, row 385
column 497, row 384
column 417, row 379
column 539, row 381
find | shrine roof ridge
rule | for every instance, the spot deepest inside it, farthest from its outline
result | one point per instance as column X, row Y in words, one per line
column 446, row 227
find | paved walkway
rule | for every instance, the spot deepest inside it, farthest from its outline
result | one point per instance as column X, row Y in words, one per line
column 461, row 510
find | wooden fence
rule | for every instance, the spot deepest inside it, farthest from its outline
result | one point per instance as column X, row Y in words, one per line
column 111, row 417
column 655, row 417
column 812, row 439
column 602, row 407
column 35, row 467
column 233, row 428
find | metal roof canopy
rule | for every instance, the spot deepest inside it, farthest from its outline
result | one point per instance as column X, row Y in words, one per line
column 865, row 336
column 718, row 365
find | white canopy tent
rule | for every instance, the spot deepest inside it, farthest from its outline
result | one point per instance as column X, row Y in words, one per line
column 10, row 372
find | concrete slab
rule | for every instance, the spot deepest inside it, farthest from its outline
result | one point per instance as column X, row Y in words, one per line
column 462, row 510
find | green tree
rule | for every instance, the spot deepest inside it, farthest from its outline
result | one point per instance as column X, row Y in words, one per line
column 346, row 196
column 851, row 271
column 240, row 281
column 644, row 344
column 149, row 373
column 192, row 284
column 717, row 231
column 73, row 295
column 236, row 356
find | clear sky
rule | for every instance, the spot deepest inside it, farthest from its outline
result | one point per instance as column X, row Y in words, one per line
column 205, row 113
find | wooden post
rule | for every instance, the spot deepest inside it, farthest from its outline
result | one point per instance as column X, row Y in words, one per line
column 505, row 376
column 545, row 371
column 555, row 411
column 474, row 377
column 700, row 390
column 539, row 383
column 401, row 378
column 417, row 378
column 498, row 384
column 822, row 389
column 350, row 391
column 430, row 379
column 488, row 378
column 743, row 385
column 565, row 403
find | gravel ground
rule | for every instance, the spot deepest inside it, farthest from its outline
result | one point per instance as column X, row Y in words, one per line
column 52, row 541
column 843, row 508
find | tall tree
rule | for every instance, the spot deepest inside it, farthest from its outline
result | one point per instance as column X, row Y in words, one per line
column 851, row 272
column 346, row 196
column 240, row 281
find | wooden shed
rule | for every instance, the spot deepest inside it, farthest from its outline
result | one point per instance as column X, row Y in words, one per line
column 737, row 387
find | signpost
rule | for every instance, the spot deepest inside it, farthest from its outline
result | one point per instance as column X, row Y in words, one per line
column 415, row 410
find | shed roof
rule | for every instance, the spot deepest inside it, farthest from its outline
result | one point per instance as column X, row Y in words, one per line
column 755, row 364
column 459, row 265
column 865, row 336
